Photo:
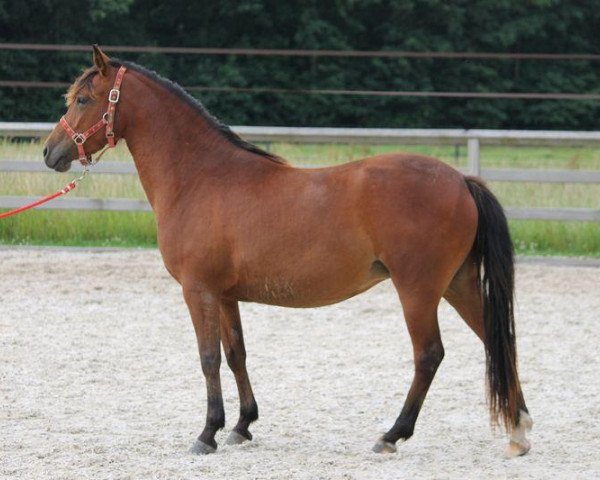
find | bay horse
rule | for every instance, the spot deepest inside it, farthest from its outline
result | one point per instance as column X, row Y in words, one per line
column 239, row 224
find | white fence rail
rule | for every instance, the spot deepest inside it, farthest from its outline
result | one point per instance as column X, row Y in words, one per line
column 473, row 139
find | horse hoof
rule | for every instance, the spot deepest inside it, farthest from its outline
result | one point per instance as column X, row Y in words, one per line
column 384, row 447
column 514, row 449
column 201, row 448
column 519, row 445
column 236, row 438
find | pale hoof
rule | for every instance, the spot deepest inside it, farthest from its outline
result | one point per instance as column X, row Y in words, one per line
column 519, row 445
column 201, row 448
column 384, row 447
column 514, row 449
column 236, row 438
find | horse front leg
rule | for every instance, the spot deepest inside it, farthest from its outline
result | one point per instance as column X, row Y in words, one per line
column 235, row 352
column 204, row 308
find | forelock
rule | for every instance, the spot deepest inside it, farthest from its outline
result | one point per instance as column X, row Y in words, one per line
column 83, row 82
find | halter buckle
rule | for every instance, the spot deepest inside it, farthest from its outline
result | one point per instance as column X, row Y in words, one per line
column 113, row 95
column 79, row 138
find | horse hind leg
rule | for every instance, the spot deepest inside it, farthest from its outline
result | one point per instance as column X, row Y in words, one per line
column 464, row 295
column 421, row 319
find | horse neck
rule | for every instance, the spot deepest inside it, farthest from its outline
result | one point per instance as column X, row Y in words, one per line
column 174, row 146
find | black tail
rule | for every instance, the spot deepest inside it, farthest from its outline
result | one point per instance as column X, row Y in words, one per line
column 494, row 250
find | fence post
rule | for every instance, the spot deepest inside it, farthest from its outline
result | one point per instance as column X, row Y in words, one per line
column 473, row 155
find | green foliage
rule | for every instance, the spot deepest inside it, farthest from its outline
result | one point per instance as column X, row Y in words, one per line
column 480, row 26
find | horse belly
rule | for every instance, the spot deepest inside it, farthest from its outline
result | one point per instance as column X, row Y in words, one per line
column 310, row 289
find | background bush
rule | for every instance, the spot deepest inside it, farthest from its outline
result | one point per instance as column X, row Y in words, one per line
column 533, row 26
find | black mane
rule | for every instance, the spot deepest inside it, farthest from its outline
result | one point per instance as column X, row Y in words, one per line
column 178, row 91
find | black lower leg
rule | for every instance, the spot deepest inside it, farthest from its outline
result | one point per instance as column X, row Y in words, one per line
column 405, row 424
column 426, row 364
column 248, row 414
column 235, row 352
column 215, row 421
column 215, row 414
column 248, row 406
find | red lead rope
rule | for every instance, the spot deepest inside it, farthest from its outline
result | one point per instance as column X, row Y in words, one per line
column 41, row 201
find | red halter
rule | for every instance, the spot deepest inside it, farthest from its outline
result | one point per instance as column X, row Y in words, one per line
column 107, row 119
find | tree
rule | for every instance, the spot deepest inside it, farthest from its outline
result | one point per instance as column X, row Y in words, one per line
column 424, row 25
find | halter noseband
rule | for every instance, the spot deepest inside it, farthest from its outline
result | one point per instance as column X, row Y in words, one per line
column 107, row 119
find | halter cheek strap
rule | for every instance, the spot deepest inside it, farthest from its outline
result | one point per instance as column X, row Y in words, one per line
column 108, row 120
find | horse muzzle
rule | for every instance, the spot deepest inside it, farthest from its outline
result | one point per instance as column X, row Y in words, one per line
column 57, row 158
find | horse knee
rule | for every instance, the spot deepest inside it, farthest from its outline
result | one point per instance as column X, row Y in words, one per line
column 429, row 358
column 236, row 358
column 233, row 346
column 210, row 363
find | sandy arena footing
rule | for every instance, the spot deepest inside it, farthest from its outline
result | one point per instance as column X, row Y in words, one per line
column 100, row 378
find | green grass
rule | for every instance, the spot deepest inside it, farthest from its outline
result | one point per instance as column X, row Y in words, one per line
column 138, row 229
column 62, row 227
column 535, row 237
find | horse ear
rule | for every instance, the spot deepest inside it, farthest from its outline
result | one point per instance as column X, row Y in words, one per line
column 100, row 60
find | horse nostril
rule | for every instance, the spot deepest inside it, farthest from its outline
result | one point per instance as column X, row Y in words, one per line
column 45, row 152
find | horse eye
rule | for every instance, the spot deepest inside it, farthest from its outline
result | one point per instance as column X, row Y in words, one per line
column 82, row 100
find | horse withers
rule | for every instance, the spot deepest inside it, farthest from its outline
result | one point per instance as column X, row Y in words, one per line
column 238, row 224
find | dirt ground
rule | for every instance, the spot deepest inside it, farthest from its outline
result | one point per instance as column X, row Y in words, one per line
column 100, row 378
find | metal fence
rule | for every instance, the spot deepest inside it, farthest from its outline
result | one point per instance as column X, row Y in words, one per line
column 473, row 139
